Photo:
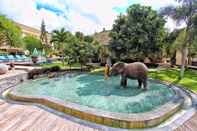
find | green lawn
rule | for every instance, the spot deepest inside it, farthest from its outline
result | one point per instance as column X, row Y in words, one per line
column 60, row 64
column 171, row 75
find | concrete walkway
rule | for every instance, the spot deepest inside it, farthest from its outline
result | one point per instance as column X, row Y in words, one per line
column 12, row 73
column 15, row 117
column 190, row 125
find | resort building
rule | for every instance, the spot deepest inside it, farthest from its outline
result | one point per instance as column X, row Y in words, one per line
column 27, row 30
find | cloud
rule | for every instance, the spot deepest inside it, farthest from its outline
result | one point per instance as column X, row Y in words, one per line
column 171, row 24
column 88, row 16
column 101, row 10
column 26, row 12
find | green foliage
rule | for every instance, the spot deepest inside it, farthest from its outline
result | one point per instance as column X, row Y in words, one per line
column 88, row 39
column 178, row 43
column 139, row 33
column 75, row 48
column 60, row 37
column 31, row 43
column 79, row 35
column 95, row 48
column 78, row 51
column 169, row 48
column 10, row 33
column 104, row 52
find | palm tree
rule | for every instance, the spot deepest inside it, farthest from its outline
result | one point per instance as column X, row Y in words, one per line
column 60, row 38
column 183, row 13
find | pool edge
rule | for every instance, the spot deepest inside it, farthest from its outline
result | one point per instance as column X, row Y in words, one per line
column 144, row 120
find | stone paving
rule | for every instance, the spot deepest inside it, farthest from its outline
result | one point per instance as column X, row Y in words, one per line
column 190, row 125
column 30, row 118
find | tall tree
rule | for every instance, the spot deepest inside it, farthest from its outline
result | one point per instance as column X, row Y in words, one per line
column 79, row 35
column 169, row 40
column 61, row 38
column 88, row 39
column 31, row 43
column 43, row 35
column 10, row 33
column 183, row 13
column 137, row 34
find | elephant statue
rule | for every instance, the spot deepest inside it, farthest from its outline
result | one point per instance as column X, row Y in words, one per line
column 136, row 70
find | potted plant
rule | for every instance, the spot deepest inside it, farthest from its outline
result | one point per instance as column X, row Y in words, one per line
column 34, row 56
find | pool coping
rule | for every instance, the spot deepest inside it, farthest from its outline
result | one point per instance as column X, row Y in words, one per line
column 119, row 120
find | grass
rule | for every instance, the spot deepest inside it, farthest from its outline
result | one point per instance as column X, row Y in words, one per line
column 172, row 75
column 61, row 65
column 99, row 70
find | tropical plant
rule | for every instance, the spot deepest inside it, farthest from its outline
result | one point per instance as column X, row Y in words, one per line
column 88, row 39
column 32, row 42
column 60, row 37
column 183, row 13
column 169, row 40
column 10, row 33
column 70, row 52
column 95, row 47
column 138, row 34
column 79, row 35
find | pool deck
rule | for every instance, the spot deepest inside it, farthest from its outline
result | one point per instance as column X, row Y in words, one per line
column 17, row 117
column 190, row 125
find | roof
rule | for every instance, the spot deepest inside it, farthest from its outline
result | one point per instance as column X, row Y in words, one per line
column 11, row 49
column 30, row 30
column 25, row 27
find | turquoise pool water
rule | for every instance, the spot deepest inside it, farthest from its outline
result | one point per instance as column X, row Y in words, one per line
column 93, row 91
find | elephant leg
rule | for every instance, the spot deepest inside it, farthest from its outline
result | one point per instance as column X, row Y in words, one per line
column 123, row 82
column 145, row 84
column 139, row 83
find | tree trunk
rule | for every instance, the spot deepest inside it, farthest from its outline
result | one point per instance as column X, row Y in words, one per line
column 183, row 62
column 184, row 52
column 189, row 57
column 70, row 67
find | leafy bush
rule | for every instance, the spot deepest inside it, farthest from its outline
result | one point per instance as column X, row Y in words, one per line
column 10, row 32
column 31, row 43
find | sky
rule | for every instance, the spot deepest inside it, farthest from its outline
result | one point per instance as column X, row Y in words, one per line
column 87, row 16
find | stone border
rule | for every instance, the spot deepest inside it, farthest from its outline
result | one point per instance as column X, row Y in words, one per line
column 120, row 120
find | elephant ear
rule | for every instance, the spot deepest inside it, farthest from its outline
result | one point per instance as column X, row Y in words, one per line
column 121, row 67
